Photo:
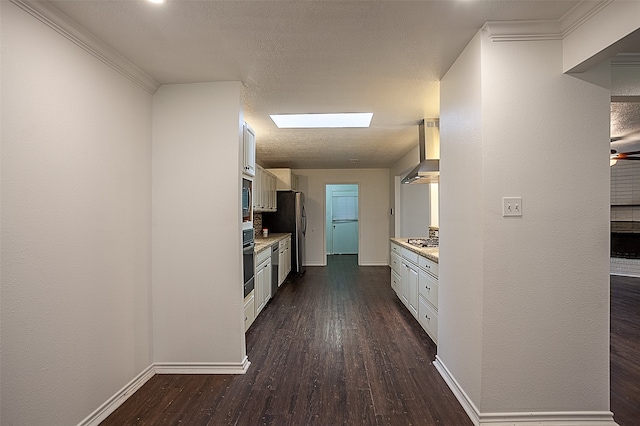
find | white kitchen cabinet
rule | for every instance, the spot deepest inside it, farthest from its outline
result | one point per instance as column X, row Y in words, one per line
column 249, row 310
column 414, row 278
column 262, row 280
column 264, row 191
column 284, row 259
column 409, row 283
column 428, row 287
column 248, row 151
column 396, row 283
column 428, row 318
column 286, row 180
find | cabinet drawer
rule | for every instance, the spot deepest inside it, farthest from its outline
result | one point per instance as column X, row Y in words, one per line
column 428, row 287
column 428, row 319
column 396, row 249
column 410, row 256
column 428, row 265
column 263, row 255
column 249, row 311
column 395, row 283
column 396, row 263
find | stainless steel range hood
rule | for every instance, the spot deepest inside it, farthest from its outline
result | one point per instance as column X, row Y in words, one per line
column 428, row 170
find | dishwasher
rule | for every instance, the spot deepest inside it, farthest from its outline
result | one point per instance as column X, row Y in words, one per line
column 275, row 252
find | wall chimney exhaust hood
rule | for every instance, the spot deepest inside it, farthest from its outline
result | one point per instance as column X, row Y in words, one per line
column 428, row 171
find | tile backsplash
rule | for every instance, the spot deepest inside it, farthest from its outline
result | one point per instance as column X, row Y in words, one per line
column 257, row 224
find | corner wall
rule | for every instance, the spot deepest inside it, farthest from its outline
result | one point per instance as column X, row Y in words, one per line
column 76, row 206
column 524, row 302
column 198, row 308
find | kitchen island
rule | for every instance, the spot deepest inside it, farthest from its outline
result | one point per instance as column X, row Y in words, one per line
column 414, row 278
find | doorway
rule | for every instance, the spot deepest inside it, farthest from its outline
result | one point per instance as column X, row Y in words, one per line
column 342, row 219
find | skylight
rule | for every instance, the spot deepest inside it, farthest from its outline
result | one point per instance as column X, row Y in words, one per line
column 310, row 121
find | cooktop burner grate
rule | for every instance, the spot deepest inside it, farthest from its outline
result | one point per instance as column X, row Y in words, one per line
column 423, row 242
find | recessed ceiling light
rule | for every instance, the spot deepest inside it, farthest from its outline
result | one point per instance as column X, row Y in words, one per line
column 310, row 121
column 156, row 1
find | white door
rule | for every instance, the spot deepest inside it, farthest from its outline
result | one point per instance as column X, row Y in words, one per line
column 344, row 222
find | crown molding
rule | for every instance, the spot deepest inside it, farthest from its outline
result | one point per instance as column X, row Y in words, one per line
column 501, row 31
column 625, row 60
column 542, row 30
column 65, row 26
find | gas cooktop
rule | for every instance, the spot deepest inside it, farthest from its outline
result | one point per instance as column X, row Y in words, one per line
column 423, row 242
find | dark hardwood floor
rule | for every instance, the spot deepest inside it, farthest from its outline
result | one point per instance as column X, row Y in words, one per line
column 333, row 347
column 337, row 347
column 625, row 350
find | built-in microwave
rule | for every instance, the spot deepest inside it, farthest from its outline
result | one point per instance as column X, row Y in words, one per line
column 247, row 210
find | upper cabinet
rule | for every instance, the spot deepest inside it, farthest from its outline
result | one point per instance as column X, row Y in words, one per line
column 264, row 191
column 287, row 181
column 249, row 151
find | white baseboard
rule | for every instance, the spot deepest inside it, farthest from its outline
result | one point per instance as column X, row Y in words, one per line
column 385, row 263
column 102, row 412
column 201, row 368
column 560, row 418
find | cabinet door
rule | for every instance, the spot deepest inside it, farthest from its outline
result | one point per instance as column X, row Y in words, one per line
column 267, row 281
column 249, row 147
column 412, row 290
column 249, row 311
column 257, row 190
column 404, row 282
column 259, row 289
column 282, row 263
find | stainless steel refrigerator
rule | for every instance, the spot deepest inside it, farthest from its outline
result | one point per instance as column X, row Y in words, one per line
column 290, row 217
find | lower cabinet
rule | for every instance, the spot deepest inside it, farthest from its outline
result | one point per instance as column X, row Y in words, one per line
column 415, row 280
column 284, row 260
column 249, row 310
column 262, row 280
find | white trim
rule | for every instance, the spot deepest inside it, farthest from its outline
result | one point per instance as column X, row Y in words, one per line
column 116, row 400
column 376, row 263
column 540, row 30
column 464, row 400
column 65, row 26
column 202, row 367
column 523, row 30
column 540, row 418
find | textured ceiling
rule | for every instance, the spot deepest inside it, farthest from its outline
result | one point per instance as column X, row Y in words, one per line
column 385, row 57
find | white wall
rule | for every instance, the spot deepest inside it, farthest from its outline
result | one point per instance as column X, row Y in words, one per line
column 523, row 302
column 414, row 210
column 196, row 215
column 460, row 295
column 76, row 175
column 374, row 211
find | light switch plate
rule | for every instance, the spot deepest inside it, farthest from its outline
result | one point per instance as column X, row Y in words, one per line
column 511, row 206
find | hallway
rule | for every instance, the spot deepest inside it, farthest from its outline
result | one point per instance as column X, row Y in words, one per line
column 336, row 347
column 333, row 347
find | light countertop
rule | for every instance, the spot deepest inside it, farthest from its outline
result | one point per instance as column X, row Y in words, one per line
column 263, row 243
column 431, row 253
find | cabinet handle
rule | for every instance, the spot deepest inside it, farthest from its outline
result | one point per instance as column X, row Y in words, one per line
column 427, row 287
column 428, row 319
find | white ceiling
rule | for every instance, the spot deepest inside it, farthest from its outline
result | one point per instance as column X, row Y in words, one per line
column 385, row 57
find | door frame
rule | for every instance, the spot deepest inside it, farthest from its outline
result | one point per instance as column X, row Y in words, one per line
column 324, row 221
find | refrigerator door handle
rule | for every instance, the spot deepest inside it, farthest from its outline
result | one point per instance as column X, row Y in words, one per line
column 304, row 220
